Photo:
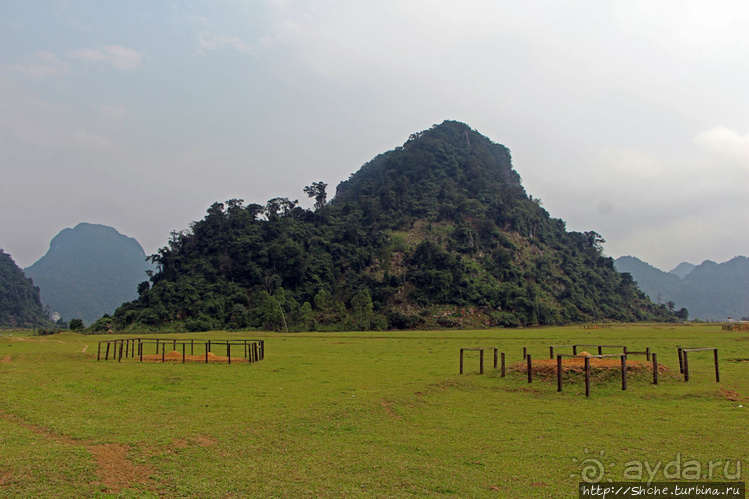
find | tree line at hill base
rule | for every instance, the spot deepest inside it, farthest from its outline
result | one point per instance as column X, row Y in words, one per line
column 437, row 233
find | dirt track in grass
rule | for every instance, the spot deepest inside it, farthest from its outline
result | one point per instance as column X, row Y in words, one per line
column 115, row 470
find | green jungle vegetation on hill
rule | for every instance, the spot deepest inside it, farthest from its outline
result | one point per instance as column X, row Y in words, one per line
column 436, row 233
column 89, row 271
column 20, row 305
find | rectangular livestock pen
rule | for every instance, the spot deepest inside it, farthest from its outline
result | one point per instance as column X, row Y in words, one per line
column 251, row 350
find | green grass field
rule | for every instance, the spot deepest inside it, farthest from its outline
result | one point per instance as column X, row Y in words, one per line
column 364, row 415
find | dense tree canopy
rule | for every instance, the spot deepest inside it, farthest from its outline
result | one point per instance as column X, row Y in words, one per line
column 20, row 305
column 436, row 233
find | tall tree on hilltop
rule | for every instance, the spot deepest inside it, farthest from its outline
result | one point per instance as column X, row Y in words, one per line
column 317, row 191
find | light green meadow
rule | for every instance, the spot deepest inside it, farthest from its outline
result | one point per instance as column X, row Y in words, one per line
column 365, row 414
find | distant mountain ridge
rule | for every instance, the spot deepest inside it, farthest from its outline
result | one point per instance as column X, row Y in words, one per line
column 710, row 291
column 89, row 271
column 20, row 305
column 682, row 269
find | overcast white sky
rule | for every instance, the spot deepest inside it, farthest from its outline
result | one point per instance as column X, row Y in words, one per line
column 630, row 118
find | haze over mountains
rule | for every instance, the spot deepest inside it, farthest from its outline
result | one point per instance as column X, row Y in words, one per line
column 710, row 291
column 89, row 271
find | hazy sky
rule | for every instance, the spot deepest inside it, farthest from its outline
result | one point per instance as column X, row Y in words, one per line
column 630, row 118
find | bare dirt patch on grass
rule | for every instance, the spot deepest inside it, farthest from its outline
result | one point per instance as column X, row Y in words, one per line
column 203, row 441
column 547, row 368
column 6, row 360
column 6, row 479
column 175, row 356
column 114, row 469
column 387, row 405
column 731, row 395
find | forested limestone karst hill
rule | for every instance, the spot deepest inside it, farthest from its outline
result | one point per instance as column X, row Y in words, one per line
column 438, row 232
column 20, row 305
column 89, row 271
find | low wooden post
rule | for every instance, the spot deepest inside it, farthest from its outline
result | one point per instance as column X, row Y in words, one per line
column 686, row 365
column 106, row 355
column 183, row 353
column 209, row 345
column 681, row 360
column 262, row 349
column 647, row 353
column 257, row 352
column 551, row 352
column 574, row 349
column 174, row 344
column 461, row 361
column 206, row 353
column 655, row 368
column 163, row 353
column 624, row 350
column 717, row 373
column 530, row 369
column 587, row 376
column 525, row 353
column 228, row 351
column 140, row 350
column 503, row 364
column 600, row 350
column 559, row 373
column 624, row 371
column 192, row 347
column 98, row 352
column 481, row 361
column 127, row 348
column 121, row 347
column 157, row 346
column 496, row 350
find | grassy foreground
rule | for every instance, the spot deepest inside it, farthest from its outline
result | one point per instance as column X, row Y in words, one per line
column 364, row 414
